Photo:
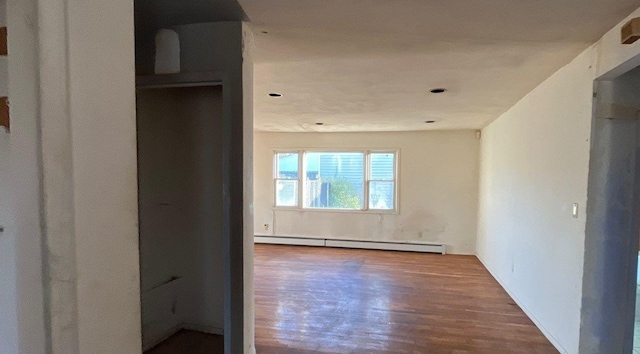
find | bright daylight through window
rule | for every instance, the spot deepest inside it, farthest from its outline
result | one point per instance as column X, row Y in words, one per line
column 350, row 180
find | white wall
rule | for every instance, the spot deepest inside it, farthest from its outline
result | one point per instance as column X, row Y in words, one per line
column 8, row 310
column 247, row 187
column 180, row 194
column 22, row 324
column 73, row 140
column 438, row 183
column 103, row 130
column 534, row 165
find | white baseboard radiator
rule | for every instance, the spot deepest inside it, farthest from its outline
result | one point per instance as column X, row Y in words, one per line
column 370, row 245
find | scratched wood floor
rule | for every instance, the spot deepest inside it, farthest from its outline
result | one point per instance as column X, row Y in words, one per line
column 323, row 300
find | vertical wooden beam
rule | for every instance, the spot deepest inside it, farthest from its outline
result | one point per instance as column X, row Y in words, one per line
column 630, row 32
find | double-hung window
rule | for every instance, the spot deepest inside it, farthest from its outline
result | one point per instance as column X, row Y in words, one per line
column 337, row 180
column 287, row 178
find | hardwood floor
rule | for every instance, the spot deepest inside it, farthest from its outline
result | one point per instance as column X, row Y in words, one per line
column 190, row 342
column 322, row 300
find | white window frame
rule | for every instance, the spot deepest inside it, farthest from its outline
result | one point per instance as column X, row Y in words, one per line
column 302, row 175
column 276, row 178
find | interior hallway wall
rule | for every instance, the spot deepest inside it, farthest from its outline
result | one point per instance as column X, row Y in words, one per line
column 438, row 181
column 534, row 166
column 105, row 204
column 22, row 319
column 8, row 311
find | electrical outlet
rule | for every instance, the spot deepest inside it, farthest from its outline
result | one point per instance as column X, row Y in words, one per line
column 266, row 227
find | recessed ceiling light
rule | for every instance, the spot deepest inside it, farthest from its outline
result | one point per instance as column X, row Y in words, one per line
column 275, row 94
column 438, row 90
column 429, row 121
column 319, row 123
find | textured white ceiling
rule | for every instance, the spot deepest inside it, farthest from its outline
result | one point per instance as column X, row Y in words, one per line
column 368, row 65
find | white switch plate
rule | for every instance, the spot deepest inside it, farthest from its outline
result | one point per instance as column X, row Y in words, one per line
column 575, row 210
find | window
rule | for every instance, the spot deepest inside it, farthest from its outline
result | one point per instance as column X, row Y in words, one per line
column 341, row 180
column 381, row 180
column 287, row 177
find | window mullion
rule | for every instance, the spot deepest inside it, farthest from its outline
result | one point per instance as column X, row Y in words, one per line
column 395, row 180
column 365, row 187
column 275, row 178
column 301, row 178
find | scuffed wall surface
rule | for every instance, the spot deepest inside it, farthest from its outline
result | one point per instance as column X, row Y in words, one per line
column 102, row 110
column 8, row 314
column 25, row 321
column 438, row 181
column 247, row 97
column 180, row 193
column 196, row 57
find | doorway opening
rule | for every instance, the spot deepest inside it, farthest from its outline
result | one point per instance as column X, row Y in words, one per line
column 613, row 210
column 180, row 213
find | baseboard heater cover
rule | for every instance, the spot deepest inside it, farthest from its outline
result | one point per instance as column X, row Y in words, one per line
column 371, row 245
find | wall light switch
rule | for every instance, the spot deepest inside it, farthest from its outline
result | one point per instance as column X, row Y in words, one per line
column 575, row 210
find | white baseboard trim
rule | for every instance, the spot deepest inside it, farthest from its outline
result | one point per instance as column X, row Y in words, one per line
column 360, row 244
column 203, row 328
column 162, row 338
column 187, row 326
column 533, row 318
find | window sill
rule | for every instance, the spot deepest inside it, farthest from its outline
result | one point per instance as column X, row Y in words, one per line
column 338, row 211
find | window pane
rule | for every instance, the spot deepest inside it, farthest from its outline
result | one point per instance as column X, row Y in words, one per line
column 381, row 195
column 382, row 166
column 287, row 165
column 287, row 193
column 334, row 180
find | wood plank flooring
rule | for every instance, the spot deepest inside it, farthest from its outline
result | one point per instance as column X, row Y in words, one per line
column 190, row 342
column 322, row 300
